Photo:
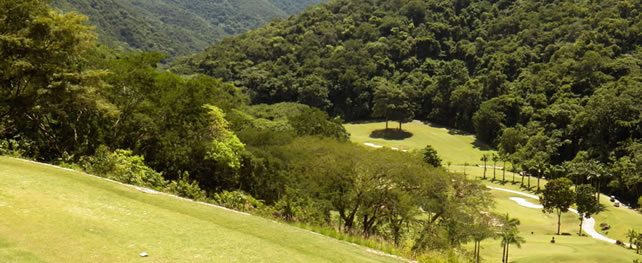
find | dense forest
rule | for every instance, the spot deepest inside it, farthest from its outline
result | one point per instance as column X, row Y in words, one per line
column 556, row 85
column 177, row 27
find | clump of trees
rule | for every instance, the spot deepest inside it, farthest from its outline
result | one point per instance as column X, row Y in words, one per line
column 558, row 196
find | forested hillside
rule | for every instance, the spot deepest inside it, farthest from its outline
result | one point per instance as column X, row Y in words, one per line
column 68, row 101
column 177, row 27
column 557, row 85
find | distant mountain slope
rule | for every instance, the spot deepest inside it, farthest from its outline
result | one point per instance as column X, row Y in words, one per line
column 177, row 27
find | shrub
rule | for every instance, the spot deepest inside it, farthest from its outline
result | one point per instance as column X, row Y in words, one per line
column 186, row 188
column 237, row 200
column 15, row 148
column 123, row 166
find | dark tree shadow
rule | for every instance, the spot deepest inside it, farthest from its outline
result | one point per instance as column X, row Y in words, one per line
column 482, row 145
column 390, row 134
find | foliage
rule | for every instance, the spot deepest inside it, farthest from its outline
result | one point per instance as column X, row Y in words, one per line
column 237, row 200
column 431, row 157
column 565, row 73
column 123, row 166
column 48, row 97
column 557, row 196
column 586, row 203
column 186, row 188
column 177, row 27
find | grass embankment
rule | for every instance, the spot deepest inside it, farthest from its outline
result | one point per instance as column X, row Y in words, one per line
column 459, row 148
column 48, row 214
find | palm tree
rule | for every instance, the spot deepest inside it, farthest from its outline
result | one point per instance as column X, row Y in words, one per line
column 484, row 159
column 494, row 158
column 509, row 234
column 631, row 235
column 503, row 158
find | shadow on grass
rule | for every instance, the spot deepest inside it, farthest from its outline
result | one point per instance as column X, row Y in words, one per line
column 481, row 145
column 390, row 134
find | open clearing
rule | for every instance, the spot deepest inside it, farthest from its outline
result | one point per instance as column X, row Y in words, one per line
column 536, row 227
column 48, row 214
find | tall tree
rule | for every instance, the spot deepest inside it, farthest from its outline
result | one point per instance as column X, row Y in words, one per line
column 484, row 159
column 586, row 203
column 557, row 197
column 509, row 235
column 47, row 94
column 393, row 102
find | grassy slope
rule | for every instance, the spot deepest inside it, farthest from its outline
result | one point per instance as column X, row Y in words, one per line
column 451, row 147
column 459, row 148
column 48, row 214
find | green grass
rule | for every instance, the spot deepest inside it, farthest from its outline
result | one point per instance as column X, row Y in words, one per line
column 452, row 146
column 543, row 226
column 459, row 148
column 48, row 214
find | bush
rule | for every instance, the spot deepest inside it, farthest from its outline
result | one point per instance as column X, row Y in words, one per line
column 123, row 166
column 186, row 188
column 14, row 148
column 237, row 200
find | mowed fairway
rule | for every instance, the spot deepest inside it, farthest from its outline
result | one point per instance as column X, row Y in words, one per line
column 456, row 148
column 48, row 214
column 537, row 228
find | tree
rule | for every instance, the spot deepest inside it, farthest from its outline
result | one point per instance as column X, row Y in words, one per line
column 495, row 159
column 557, row 197
column 586, row 204
column 509, row 234
column 225, row 147
column 481, row 229
column 431, row 157
column 484, row 159
column 393, row 103
column 631, row 235
column 48, row 95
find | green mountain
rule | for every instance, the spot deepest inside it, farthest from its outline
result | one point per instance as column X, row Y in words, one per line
column 177, row 27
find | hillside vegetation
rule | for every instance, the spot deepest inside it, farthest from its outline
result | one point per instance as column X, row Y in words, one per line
column 52, row 215
column 67, row 101
column 177, row 27
column 546, row 81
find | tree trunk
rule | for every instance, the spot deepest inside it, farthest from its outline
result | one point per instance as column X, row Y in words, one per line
column 503, row 251
column 529, row 181
column 475, row 252
column 559, row 223
column 494, row 171
column 507, row 252
column 597, row 197
column 399, row 125
column 581, row 222
column 504, row 172
column 386, row 124
column 522, row 184
column 484, row 170
column 538, row 177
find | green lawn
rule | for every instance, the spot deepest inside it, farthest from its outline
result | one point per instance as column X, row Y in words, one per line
column 538, row 247
column 48, row 214
column 459, row 148
column 451, row 146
